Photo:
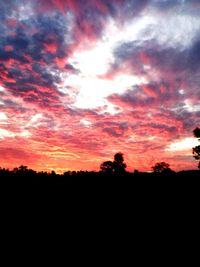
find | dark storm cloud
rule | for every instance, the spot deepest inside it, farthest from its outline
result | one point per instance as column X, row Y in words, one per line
column 7, row 8
column 133, row 8
column 166, row 4
column 174, row 68
column 90, row 20
column 91, row 16
column 28, row 57
column 193, row 59
column 153, row 94
column 51, row 31
column 173, row 60
column 115, row 129
column 171, row 129
column 70, row 68
column 20, row 41
column 131, row 98
column 138, row 54
column 184, row 6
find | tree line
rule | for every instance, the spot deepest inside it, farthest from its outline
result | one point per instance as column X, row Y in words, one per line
column 115, row 168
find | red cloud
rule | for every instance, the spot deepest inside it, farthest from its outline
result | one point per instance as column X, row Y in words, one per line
column 51, row 47
column 8, row 48
column 61, row 5
column 11, row 22
column 149, row 90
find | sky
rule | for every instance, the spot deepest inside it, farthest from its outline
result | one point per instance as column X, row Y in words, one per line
column 83, row 80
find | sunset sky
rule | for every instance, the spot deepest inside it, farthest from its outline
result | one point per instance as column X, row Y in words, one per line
column 83, row 80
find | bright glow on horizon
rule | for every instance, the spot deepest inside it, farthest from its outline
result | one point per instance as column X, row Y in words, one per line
column 183, row 144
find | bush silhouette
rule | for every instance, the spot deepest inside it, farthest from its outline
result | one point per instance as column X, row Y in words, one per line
column 107, row 166
column 161, row 167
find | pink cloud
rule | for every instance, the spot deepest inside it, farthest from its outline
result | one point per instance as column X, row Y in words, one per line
column 149, row 91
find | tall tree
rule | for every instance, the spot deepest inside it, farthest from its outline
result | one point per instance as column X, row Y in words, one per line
column 118, row 164
column 196, row 149
column 197, row 132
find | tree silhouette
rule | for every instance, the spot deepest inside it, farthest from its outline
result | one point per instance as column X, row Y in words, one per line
column 118, row 164
column 161, row 167
column 196, row 149
column 23, row 168
column 197, row 132
column 107, row 166
column 196, row 153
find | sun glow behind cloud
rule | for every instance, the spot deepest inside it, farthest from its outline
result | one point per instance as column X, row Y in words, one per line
column 93, row 90
column 184, row 144
column 93, row 64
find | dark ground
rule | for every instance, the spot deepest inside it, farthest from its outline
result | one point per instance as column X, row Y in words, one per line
column 94, row 178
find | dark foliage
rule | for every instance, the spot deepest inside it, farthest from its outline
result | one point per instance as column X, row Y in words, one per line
column 197, row 132
column 107, row 166
column 196, row 149
column 116, row 166
column 196, row 153
column 23, row 176
column 161, row 167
